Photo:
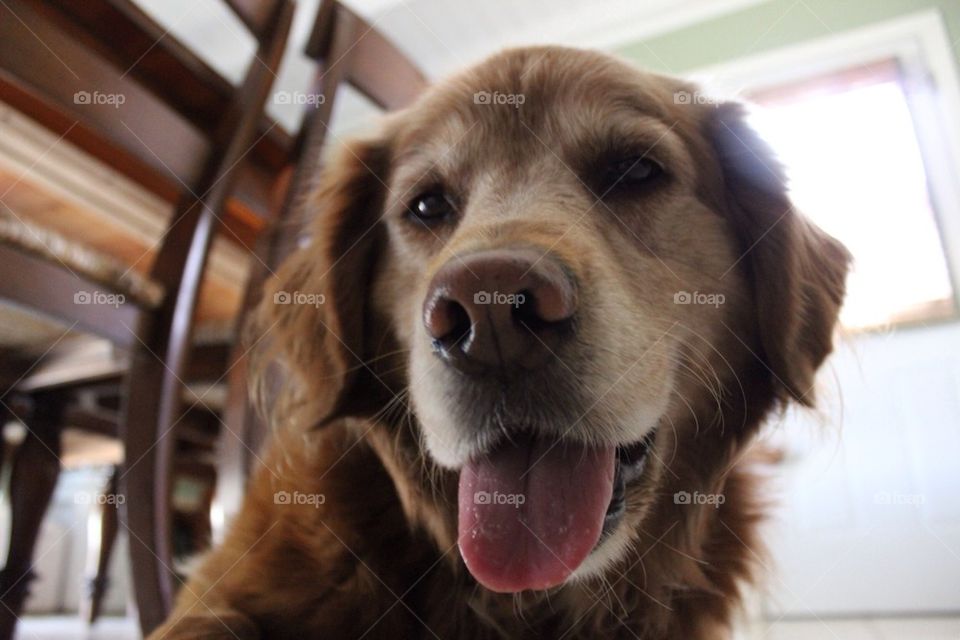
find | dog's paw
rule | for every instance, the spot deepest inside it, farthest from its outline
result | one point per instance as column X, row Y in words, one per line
column 210, row 625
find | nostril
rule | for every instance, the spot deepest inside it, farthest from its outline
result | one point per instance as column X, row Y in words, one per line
column 460, row 324
column 447, row 321
column 549, row 301
column 525, row 312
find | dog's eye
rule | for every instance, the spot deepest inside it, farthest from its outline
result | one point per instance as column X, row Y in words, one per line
column 431, row 207
column 633, row 171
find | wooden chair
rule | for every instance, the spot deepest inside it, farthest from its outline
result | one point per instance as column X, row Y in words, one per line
column 348, row 51
column 91, row 404
column 187, row 135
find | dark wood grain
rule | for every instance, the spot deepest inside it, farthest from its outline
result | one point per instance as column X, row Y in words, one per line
column 46, row 286
column 159, row 135
column 173, row 125
column 159, row 366
column 33, row 477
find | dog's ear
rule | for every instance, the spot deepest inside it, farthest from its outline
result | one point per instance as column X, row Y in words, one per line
column 313, row 317
column 797, row 271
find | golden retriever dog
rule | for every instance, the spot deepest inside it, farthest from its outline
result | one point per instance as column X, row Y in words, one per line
column 539, row 321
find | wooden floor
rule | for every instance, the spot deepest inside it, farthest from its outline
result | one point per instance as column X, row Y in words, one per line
column 67, row 628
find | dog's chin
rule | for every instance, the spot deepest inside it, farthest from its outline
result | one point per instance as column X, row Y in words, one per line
column 610, row 550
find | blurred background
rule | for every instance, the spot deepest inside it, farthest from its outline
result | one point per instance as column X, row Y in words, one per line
column 861, row 99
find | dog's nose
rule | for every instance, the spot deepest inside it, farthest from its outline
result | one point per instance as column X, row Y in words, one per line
column 499, row 309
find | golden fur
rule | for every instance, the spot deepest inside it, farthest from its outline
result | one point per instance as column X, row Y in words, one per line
column 365, row 418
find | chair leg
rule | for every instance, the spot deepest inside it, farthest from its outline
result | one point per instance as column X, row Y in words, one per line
column 145, row 483
column 36, row 466
column 153, row 406
column 109, row 521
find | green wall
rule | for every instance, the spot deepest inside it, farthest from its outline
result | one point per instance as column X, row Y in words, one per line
column 774, row 24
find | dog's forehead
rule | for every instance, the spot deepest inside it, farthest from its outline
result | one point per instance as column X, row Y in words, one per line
column 538, row 91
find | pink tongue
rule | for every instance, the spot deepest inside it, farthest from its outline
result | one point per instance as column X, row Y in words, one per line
column 531, row 512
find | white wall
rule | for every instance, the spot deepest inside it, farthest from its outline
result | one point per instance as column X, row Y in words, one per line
column 869, row 518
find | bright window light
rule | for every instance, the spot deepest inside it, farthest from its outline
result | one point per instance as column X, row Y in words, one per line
column 856, row 169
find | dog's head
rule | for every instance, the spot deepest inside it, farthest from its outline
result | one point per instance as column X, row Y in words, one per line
column 574, row 273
